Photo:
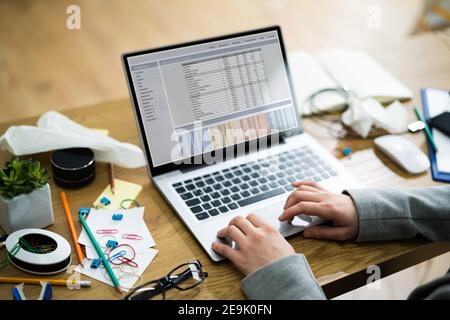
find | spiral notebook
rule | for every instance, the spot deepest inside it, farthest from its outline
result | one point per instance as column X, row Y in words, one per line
column 435, row 102
column 333, row 68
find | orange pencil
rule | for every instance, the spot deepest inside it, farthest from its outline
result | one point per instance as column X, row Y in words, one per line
column 73, row 232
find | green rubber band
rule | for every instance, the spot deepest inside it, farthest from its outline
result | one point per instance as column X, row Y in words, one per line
column 129, row 200
column 13, row 252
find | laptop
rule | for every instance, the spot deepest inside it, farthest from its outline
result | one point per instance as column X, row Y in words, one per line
column 222, row 135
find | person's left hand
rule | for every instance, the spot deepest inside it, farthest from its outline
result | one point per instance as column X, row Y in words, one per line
column 258, row 243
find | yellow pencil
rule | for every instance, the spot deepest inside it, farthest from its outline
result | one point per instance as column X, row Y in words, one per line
column 56, row 282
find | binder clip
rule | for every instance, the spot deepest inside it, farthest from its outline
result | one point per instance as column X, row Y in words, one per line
column 105, row 201
column 111, row 244
column 117, row 216
column 84, row 211
column 96, row 263
column 347, row 151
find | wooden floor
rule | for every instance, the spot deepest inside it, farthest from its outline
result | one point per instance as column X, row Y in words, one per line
column 45, row 66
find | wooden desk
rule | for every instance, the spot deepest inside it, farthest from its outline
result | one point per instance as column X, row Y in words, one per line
column 177, row 245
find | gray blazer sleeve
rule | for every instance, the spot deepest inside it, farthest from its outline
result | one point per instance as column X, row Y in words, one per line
column 289, row 278
column 383, row 214
column 386, row 214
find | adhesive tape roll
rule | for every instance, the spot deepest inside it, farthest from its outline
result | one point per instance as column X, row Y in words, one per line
column 54, row 259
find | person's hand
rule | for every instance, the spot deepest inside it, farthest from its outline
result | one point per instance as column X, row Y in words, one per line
column 311, row 199
column 258, row 243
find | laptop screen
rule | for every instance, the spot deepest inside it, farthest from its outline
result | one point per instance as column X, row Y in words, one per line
column 196, row 98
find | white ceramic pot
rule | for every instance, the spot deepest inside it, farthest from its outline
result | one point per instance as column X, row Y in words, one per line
column 31, row 210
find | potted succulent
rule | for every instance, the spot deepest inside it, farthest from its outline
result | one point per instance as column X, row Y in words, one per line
column 25, row 199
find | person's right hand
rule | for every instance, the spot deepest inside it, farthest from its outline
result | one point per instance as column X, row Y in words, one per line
column 311, row 199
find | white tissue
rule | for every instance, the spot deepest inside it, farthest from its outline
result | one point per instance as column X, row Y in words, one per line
column 55, row 131
column 363, row 114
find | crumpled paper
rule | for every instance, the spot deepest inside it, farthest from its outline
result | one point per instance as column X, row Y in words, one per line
column 363, row 114
column 55, row 131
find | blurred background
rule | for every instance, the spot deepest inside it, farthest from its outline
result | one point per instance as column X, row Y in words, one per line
column 44, row 65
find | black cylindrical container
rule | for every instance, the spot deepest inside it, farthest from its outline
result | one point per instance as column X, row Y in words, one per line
column 74, row 167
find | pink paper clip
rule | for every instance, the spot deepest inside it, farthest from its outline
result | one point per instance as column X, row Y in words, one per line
column 107, row 231
column 128, row 261
column 131, row 236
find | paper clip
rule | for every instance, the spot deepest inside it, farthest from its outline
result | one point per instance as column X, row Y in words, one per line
column 131, row 236
column 107, row 231
column 128, row 262
column 117, row 255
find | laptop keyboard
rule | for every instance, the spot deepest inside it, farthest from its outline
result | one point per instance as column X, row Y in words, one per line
column 239, row 186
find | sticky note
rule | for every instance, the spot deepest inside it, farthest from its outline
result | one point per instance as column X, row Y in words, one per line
column 123, row 190
column 101, row 131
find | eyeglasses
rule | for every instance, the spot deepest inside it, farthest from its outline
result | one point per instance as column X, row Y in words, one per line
column 184, row 277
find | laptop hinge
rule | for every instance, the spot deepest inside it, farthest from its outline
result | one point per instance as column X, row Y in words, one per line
column 199, row 165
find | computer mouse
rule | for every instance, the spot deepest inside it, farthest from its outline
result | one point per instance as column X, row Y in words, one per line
column 403, row 152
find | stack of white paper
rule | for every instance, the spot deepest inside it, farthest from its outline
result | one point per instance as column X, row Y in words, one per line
column 101, row 223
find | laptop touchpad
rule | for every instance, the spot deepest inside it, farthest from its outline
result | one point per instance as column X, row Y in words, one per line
column 273, row 211
column 301, row 221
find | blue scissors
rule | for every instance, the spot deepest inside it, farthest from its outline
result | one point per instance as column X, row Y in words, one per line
column 46, row 292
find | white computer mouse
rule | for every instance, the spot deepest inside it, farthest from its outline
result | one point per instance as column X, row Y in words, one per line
column 403, row 152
